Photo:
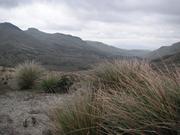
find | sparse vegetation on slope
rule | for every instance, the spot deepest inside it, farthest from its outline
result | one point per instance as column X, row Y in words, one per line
column 127, row 98
column 28, row 73
column 164, row 51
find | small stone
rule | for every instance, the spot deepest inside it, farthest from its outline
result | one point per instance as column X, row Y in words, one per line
column 5, row 83
column 34, row 121
column 25, row 123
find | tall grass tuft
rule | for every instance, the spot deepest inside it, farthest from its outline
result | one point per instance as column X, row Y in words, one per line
column 79, row 116
column 28, row 73
column 132, row 99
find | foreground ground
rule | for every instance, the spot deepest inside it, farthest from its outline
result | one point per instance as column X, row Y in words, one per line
column 119, row 97
column 25, row 113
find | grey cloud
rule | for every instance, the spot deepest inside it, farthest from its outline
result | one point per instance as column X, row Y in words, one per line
column 158, row 6
column 13, row 3
column 8, row 3
column 159, row 18
column 113, row 10
column 56, row 27
column 125, row 10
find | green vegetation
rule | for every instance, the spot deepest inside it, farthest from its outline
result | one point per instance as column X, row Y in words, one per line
column 65, row 83
column 125, row 98
column 56, row 84
column 49, row 83
column 28, row 73
column 79, row 116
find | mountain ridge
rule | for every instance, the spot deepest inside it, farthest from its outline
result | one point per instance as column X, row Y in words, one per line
column 56, row 50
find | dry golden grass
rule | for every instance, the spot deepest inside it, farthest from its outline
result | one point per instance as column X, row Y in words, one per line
column 28, row 73
column 128, row 97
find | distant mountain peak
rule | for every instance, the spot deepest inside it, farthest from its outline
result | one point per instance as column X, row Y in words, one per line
column 33, row 29
column 7, row 25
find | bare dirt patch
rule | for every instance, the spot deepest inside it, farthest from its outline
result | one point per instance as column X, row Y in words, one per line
column 27, row 113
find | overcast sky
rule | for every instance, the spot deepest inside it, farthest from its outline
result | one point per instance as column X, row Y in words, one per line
column 130, row 24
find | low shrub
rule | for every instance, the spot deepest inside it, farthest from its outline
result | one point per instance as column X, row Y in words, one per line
column 28, row 73
column 132, row 99
column 65, row 83
column 56, row 84
column 49, row 83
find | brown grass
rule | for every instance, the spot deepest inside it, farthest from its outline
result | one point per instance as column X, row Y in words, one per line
column 128, row 98
column 28, row 73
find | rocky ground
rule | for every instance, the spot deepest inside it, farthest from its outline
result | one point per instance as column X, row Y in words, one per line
column 27, row 113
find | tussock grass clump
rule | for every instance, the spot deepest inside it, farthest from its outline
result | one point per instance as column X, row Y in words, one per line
column 132, row 99
column 49, row 83
column 79, row 116
column 137, row 99
column 53, row 83
column 122, row 74
column 28, row 73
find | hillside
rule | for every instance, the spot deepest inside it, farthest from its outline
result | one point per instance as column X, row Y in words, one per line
column 114, row 51
column 168, row 61
column 55, row 51
column 164, row 51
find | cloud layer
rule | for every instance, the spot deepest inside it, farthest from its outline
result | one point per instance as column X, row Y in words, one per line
column 131, row 24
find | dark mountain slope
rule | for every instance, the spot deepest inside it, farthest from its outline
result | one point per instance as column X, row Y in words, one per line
column 166, row 57
column 168, row 61
column 57, row 51
column 164, row 51
column 16, row 45
column 113, row 51
column 70, row 45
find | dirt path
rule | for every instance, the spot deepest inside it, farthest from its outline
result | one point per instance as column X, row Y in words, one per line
column 26, row 113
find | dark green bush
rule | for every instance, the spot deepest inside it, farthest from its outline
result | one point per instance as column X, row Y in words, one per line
column 56, row 84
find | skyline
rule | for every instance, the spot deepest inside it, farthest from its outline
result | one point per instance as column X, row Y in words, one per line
column 127, row 24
